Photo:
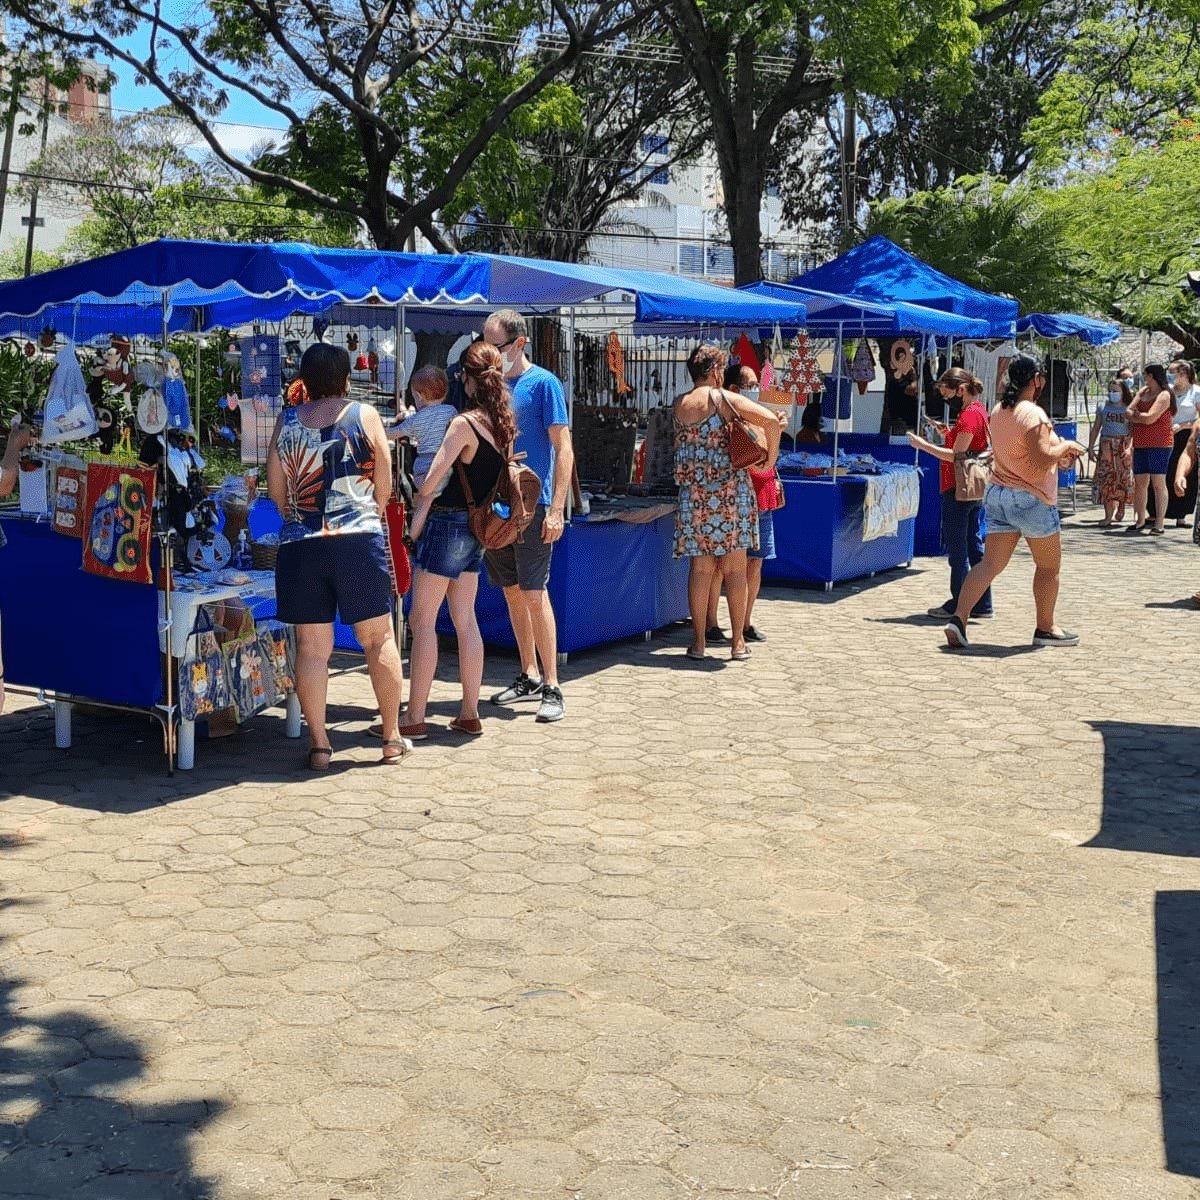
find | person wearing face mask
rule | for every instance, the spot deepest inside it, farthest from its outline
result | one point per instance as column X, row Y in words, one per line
column 1152, row 415
column 716, row 522
column 1112, row 484
column 963, row 526
column 768, row 491
column 522, row 570
column 1187, row 396
column 1021, row 502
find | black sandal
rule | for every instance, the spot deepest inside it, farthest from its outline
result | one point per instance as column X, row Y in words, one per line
column 314, row 751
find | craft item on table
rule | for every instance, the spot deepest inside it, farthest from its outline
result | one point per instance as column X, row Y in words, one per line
column 745, row 356
column 203, row 674
column 615, row 356
column 175, row 393
column 209, row 550
column 68, row 415
column 891, row 498
column 70, row 495
column 117, row 522
column 862, row 366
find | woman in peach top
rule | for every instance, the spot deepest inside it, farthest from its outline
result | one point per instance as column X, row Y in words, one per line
column 1021, row 502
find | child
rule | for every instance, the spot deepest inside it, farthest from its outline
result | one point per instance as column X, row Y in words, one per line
column 427, row 426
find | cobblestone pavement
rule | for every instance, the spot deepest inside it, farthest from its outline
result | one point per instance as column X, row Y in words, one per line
column 858, row 919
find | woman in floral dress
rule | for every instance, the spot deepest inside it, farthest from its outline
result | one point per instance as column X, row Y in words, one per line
column 717, row 519
column 1112, row 484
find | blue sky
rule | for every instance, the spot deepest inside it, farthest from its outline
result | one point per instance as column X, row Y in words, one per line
column 241, row 126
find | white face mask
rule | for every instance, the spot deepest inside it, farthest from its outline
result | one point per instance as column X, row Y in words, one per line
column 511, row 359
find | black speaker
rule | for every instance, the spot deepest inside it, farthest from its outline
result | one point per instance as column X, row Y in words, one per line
column 1056, row 395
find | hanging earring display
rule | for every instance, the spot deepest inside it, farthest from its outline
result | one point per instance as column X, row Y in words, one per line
column 862, row 367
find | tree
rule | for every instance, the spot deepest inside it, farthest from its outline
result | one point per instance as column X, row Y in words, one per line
column 551, row 179
column 1132, row 72
column 757, row 62
column 997, row 237
column 1133, row 231
column 359, row 67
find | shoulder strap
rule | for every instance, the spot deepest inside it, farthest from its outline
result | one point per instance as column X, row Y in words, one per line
column 716, row 398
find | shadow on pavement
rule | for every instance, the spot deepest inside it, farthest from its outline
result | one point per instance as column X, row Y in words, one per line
column 72, row 1124
column 1151, row 793
column 1176, row 920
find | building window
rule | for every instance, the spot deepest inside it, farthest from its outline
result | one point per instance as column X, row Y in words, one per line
column 656, row 146
column 691, row 260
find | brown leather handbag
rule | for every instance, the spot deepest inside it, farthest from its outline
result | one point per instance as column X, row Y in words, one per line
column 745, row 450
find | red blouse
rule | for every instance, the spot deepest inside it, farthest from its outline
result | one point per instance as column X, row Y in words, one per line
column 767, row 489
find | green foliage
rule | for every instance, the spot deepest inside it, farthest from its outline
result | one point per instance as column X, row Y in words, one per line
column 993, row 236
column 12, row 260
column 1132, row 72
column 23, row 382
column 1133, row 231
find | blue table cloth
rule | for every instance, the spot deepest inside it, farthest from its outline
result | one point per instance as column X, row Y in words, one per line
column 71, row 632
column 927, row 535
column 819, row 534
column 609, row 580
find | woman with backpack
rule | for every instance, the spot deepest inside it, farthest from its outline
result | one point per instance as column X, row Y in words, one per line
column 448, row 556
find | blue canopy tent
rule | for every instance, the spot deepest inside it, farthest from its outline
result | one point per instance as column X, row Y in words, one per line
column 1062, row 325
column 880, row 271
column 202, row 285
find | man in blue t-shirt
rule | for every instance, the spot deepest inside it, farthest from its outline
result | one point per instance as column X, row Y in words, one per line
column 523, row 569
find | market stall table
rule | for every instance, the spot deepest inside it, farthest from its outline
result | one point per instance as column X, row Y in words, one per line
column 821, row 534
column 84, row 639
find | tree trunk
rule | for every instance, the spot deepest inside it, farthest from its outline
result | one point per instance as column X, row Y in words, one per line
column 745, row 226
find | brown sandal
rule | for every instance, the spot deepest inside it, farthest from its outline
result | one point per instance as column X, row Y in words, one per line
column 396, row 751
column 313, row 752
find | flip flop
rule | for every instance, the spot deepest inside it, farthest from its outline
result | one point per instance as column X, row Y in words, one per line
column 696, row 655
column 313, row 754
column 740, row 655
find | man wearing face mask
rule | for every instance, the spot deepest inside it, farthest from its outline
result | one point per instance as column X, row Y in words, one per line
column 523, row 569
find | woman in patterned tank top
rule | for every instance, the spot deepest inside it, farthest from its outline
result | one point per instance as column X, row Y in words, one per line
column 329, row 473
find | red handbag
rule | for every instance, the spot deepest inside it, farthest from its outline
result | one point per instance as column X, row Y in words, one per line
column 745, row 451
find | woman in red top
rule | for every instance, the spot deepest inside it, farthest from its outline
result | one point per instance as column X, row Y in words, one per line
column 1151, row 416
column 963, row 523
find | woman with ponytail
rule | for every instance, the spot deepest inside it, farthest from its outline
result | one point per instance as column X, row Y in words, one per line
column 448, row 556
column 962, row 520
column 1021, row 501
column 1152, row 416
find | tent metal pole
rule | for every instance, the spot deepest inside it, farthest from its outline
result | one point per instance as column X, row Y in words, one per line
column 398, row 631
column 165, row 548
column 397, row 375
column 837, row 396
column 570, row 394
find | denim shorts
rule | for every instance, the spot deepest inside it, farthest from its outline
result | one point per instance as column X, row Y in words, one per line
column 766, row 537
column 448, row 547
column 341, row 575
column 1151, row 460
column 1014, row 510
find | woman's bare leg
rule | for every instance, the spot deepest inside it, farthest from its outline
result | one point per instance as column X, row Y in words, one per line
column 314, row 645
column 1047, row 562
column 700, row 578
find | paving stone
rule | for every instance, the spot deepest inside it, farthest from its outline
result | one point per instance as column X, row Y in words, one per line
column 813, row 929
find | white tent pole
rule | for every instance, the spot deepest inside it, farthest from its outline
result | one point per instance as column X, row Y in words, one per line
column 571, row 395
column 165, row 540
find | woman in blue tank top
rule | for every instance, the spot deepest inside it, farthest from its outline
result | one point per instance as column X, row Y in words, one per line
column 329, row 473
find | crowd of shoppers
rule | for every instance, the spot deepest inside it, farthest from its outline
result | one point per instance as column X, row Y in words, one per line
column 329, row 472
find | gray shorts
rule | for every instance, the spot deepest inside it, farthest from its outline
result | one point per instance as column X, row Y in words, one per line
column 524, row 564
